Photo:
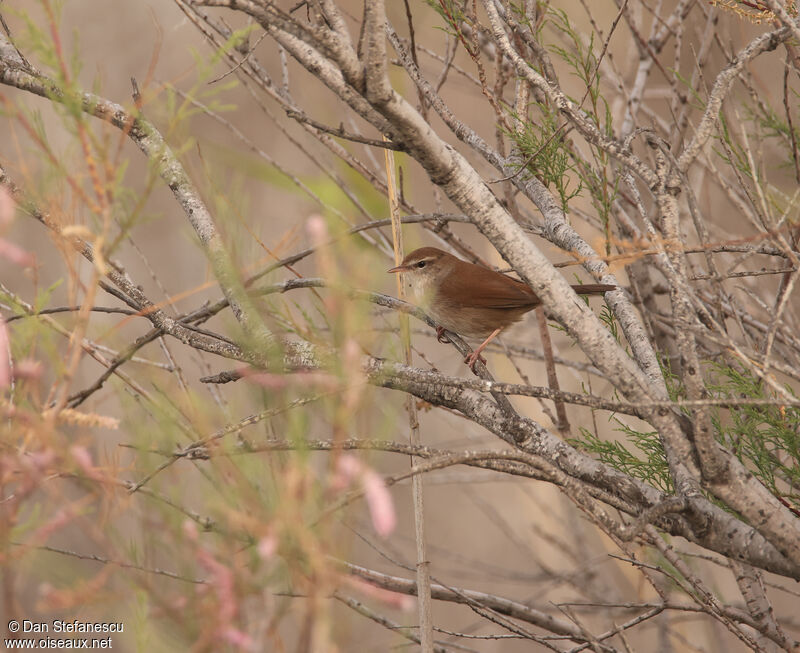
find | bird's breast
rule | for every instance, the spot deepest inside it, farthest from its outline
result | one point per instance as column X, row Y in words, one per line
column 421, row 287
column 471, row 321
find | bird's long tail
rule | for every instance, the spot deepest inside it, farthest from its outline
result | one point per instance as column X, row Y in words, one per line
column 592, row 288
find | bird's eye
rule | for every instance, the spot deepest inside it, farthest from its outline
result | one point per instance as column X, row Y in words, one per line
column 421, row 264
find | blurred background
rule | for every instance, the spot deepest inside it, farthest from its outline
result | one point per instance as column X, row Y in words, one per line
column 235, row 549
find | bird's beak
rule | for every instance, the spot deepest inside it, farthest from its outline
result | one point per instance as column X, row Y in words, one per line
column 399, row 268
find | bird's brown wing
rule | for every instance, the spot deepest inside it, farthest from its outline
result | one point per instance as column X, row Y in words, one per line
column 488, row 290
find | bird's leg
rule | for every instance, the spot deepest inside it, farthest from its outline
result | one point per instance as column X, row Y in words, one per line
column 475, row 356
column 440, row 335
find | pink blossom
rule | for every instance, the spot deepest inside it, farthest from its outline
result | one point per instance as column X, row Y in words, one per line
column 82, row 457
column 267, row 546
column 5, row 361
column 238, row 638
column 6, row 206
column 28, row 368
column 317, row 230
column 403, row 602
column 16, row 255
column 265, row 379
column 179, row 602
column 351, row 351
column 280, row 381
column 85, row 462
column 59, row 520
column 40, row 460
column 348, row 467
column 190, row 530
column 379, row 501
column 222, row 582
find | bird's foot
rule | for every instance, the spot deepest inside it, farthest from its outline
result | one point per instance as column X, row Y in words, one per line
column 472, row 358
column 440, row 335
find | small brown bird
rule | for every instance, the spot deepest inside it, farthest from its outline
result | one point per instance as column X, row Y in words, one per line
column 469, row 299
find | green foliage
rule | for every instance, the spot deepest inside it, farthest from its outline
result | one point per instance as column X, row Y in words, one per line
column 675, row 388
column 608, row 318
column 33, row 339
column 775, row 126
column 541, row 145
column 580, row 58
column 603, row 193
column 736, row 154
column 699, row 103
column 771, row 122
column 452, row 13
column 733, row 153
column 646, row 461
column 765, row 438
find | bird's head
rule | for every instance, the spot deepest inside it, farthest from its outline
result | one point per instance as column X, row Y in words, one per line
column 424, row 268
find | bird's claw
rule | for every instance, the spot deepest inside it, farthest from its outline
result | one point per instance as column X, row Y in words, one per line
column 472, row 358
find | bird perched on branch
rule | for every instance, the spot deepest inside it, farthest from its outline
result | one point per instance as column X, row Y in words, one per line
column 471, row 300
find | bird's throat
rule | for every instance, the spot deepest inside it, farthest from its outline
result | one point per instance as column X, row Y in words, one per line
column 422, row 290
